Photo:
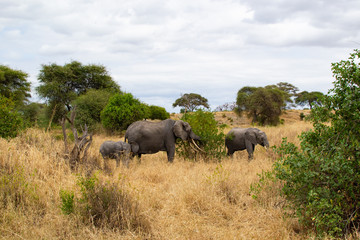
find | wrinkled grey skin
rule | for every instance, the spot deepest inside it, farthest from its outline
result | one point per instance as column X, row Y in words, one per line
column 116, row 150
column 151, row 137
column 239, row 139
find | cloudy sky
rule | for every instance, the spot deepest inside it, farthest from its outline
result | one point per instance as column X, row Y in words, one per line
column 159, row 49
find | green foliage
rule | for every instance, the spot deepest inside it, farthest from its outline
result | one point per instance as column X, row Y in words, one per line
column 309, row 98
column 266, row 178
column 263, row 105
column 158, row 113
column 212, row 137
column 67, row 202
column 105, row 205
column 14, row 85
column 289, row 91
column 321, row 179
column 31, row 113
column 191, row 101
column 122, row 110
column 60, row 85
column 302, row 116
column 219, row 175
column 89, row 107
column 10, row 120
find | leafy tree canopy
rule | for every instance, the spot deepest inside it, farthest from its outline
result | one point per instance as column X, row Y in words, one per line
column 191, row 101
column 14, row 85
column 309, row 98
column 264, row 105
column 10, row 120
column 61, row 85
column 289, row 92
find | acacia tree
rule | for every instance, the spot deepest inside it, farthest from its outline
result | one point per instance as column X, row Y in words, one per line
column 309, row 98
column 191, row 101
column 60, row 85
column 263, row 105
column 14, row 85
column 289, row 92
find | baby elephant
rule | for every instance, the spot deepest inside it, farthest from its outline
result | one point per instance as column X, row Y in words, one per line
column 116, row 150
column 245, row 138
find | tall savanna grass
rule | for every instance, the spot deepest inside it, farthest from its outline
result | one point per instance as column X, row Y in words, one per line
column 182, row 200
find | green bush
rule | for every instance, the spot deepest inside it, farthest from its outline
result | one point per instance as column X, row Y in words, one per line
column 89, row 107
column 321, row 178
column 158, row 113
column 212, row 137
column 122, row 110
column 67, row 201
column 30, row 113
column 10, row 120
column 302, row 116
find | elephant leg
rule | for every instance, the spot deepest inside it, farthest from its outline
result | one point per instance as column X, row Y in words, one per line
column 230, row 153
column 250, row 149
column 170, row 153
column 117, row 161
column 126, row 159
column 125, row 162
column 139, row 157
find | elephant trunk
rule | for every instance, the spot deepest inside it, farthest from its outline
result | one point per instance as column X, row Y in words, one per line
column 266, row 145
column 194, row 136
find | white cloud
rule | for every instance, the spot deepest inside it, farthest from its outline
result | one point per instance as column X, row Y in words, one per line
column 159, row 49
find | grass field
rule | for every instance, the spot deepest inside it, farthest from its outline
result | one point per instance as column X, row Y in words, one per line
column 183, row 200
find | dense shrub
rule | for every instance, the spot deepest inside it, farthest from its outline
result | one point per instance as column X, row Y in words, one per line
column 10, row 120
column 321, row 179
column 211, row 133
column 89, row 107
column 105, row 205
column 31, row 113
column 157, row 112
column 122, row 110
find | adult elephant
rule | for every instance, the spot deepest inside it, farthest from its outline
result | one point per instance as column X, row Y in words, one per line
column 151, row 137
column 239, row 139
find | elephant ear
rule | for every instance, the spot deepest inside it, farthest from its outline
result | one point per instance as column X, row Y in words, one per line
column 180, row 131
column 250, row 135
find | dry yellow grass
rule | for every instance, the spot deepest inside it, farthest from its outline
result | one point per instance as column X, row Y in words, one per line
column 183, row 200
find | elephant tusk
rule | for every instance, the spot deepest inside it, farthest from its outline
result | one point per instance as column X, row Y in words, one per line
column 193, row 148
column 197, row 147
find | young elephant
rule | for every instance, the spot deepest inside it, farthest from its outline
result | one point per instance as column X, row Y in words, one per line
column 245, row 138
column 116, row 150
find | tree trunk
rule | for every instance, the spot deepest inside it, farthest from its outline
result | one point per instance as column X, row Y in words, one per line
column 79, row 152
column 51, row 118
column 82, row 144
column 63, row 121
